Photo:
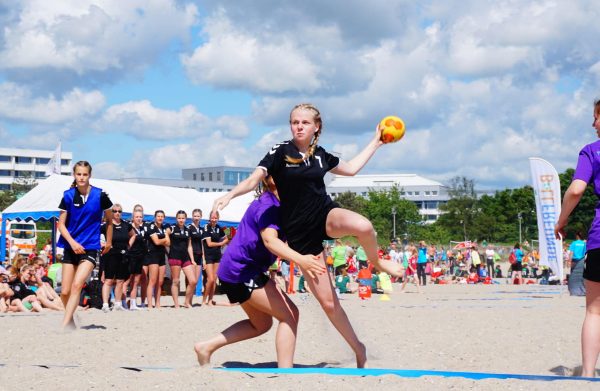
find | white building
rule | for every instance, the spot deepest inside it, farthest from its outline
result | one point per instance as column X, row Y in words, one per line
column 427, row 194
column 203, row 179
column 25, row 163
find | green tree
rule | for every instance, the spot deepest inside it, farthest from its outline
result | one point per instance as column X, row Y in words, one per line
column 582, row 216
column 349, row 200
column 7, row 197
column 461, row 210
column 379, row 210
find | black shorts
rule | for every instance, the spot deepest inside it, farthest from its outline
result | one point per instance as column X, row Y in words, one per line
column 155, row 259
column 71, row 258
column 116, row 266
column 517, row 267
column 212, row 260
column 241, row 291
column 135, row 263
column 591, row 269
column 307, row 237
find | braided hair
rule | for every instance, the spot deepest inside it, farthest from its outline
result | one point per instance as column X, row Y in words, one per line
column 313, row 144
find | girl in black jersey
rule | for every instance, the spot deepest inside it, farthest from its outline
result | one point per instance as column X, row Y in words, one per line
column 157, row 252
column 214, row 240
column 144, row 276
column 181, row 258
column 138, row 251
column 115, row 262
column 196, row 233
column 308, row 215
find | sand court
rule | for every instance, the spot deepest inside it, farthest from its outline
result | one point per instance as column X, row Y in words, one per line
column 436, row 334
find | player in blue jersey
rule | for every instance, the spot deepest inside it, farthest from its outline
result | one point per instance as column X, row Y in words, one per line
column 81, row 211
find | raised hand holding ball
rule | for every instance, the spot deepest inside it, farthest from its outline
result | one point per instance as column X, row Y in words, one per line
column 392, row 129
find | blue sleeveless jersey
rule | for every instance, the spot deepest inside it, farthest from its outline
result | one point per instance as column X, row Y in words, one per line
column 83, row 221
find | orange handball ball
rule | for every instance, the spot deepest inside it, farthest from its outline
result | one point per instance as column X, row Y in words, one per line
column 392, row 129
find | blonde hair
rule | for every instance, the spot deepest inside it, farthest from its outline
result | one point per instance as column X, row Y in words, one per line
column 313, row 144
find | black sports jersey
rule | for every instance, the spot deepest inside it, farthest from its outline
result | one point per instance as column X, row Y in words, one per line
column 78, row 199
column 196, row 233
column 120, row 236
column 180, row 237
column 300, row 186
column 21, row 291
column 160, row 232
column 139, row 246
column 216, row 234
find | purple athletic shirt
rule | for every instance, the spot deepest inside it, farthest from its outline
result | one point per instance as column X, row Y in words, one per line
column 246, row 255
column 588, row 170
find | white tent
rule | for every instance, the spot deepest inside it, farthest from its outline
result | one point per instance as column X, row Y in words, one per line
column 41, row 203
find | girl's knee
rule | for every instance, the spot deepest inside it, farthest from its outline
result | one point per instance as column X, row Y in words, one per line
column 175, row 282
column 264, row 325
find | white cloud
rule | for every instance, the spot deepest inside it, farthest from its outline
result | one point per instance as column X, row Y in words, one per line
column 232, row 59
column 212, row 150
column 142, row 120
column 109, row 38
column 19, row 104
column 110, row 170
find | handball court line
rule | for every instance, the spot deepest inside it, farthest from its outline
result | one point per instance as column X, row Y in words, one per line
column 408, row 373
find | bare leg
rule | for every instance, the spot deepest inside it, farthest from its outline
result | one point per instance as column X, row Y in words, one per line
column 46, row 302
column 190, row 274
column 175, row 273
column 590, row 331
column 321, row 287
column 343, row 222
column 161, row 279
column 108, row 284
column 68, row 272
column 144, row 283
column 119, row 291
column 81, row 274
column 135, row 281
column 263, row 305
column 152, row 281
column 211, row 282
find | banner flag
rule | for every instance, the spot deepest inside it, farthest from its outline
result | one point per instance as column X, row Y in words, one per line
column 546, row 188
column 53, row 166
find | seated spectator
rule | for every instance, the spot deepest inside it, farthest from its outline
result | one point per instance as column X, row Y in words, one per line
column 498, row 271
column 24, row 299
column 482, row 272
column 473, row 277
column 44, row 292
column 5, row 295
column 375, row 284
column 343, row 283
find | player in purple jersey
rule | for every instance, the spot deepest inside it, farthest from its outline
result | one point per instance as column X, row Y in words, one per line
column 243, row 277
column 587, row 171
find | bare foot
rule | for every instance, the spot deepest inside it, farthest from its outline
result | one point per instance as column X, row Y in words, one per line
column 203, row 353
column 361, row 357
column 186, row 305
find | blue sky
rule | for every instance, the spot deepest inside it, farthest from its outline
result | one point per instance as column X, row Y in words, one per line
column 148, row 87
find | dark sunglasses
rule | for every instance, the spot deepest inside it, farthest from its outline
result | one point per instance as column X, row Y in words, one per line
column 117, row 211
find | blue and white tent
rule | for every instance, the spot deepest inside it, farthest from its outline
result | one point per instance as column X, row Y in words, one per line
column 41, row 203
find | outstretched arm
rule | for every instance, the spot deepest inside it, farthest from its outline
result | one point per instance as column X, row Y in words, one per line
column 570, row 200
column 355, row 164
column 312, row 264
column 245, row 186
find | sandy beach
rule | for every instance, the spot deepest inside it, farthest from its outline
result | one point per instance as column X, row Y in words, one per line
column 502, row 328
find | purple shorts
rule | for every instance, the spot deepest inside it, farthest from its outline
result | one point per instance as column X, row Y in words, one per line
column 179, row 262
